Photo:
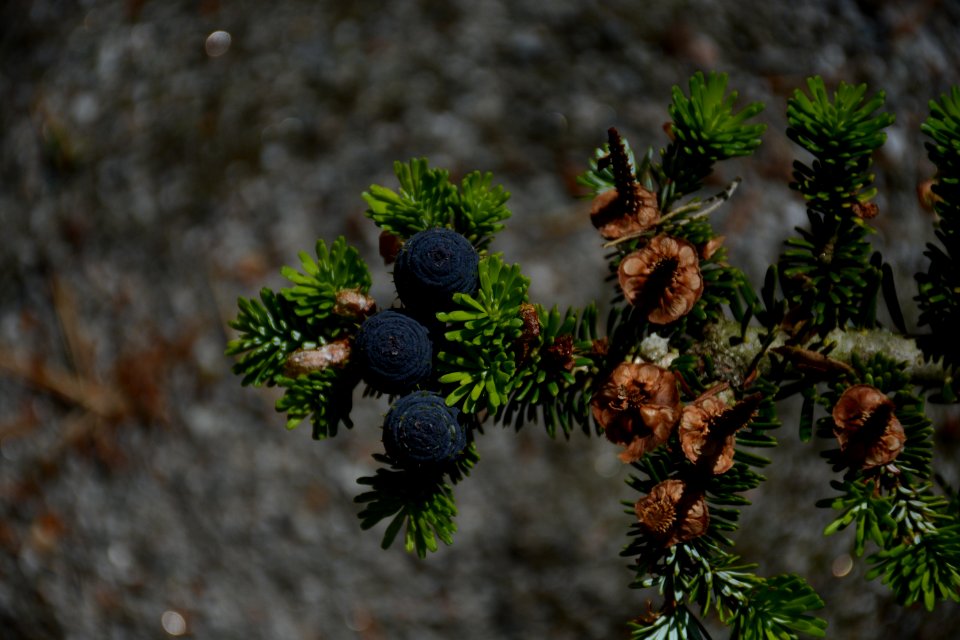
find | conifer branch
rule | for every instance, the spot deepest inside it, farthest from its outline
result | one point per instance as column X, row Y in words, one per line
column 685, row 378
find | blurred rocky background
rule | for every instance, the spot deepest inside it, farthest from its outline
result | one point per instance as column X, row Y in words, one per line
column 159, row 159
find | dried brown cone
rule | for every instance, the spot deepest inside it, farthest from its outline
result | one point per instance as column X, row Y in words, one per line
column 628, row 209
column 637, row 407
column 673, row 513
column 663, row 278
column 867, row 428
column 616, row 216
column 708, row 429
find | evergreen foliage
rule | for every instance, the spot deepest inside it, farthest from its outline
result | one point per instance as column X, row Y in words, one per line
column 479, row 357
column 420, row 500
column 498, row 356
column 314, row 294
column 326, row 397
column 555, row 374
column 939, row 287
column 270, row 330
column 428, row 199
column 705, row 130
column 827, row 274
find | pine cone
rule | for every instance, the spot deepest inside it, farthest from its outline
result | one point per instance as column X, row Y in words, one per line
column 670, row 512
column 615, row 217
column 708, row 429
column 420, row 429
column 394, row 352
column 637, row 407
column 432, row 266
column 866, row 427
column 662, row 278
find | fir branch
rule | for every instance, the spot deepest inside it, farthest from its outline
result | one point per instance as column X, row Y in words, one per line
column 554, row 378
column 841, row 133
column 270, row 330
column 921, row 563
column 501, row 355
column 893, row 506
column 861, row 505
column 484, row 378
column 325, row 396
column 481, row 209
column 315, row 291
column 699, row 573
column 426, row 199
column 493, row 314
column 705, row 130
column 479, row 354
column 827, row 274
column 721, row 491
column 418, row 501
column 927, row 572
column 943, row 127
column 777, row 610
column 670, row 623
column 939, row 286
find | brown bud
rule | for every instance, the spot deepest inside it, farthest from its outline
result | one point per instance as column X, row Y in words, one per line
column 529, row 331
column 615, row 216
column 865, row 210
column 673, row 513
column 351, row 303
column 710, row 247
column 389, row 247
column 637, row 407
column 559, row 355
column 600, row 347
column 663, row 277
column 866, row 427
column 925, row 195
column 708, row 430
column 304, row 361
column 668, row 129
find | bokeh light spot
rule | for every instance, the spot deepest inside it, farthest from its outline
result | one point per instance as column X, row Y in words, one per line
column 842, row 565
column 173, row 623
column 218, row 43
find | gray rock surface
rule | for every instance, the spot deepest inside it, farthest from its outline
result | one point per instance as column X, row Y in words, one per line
column 158, row 159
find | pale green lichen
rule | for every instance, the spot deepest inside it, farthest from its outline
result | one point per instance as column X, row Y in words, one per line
column 656, row 350
column 865, row 344
column 733, row 354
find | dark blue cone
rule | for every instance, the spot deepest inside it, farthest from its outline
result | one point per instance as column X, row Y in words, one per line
column 432, row 266
column 421, row 429
column 394, row 352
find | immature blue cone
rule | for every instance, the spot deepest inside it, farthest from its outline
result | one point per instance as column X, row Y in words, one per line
column 420, row 429
column 432, row 266
column 394, row 352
